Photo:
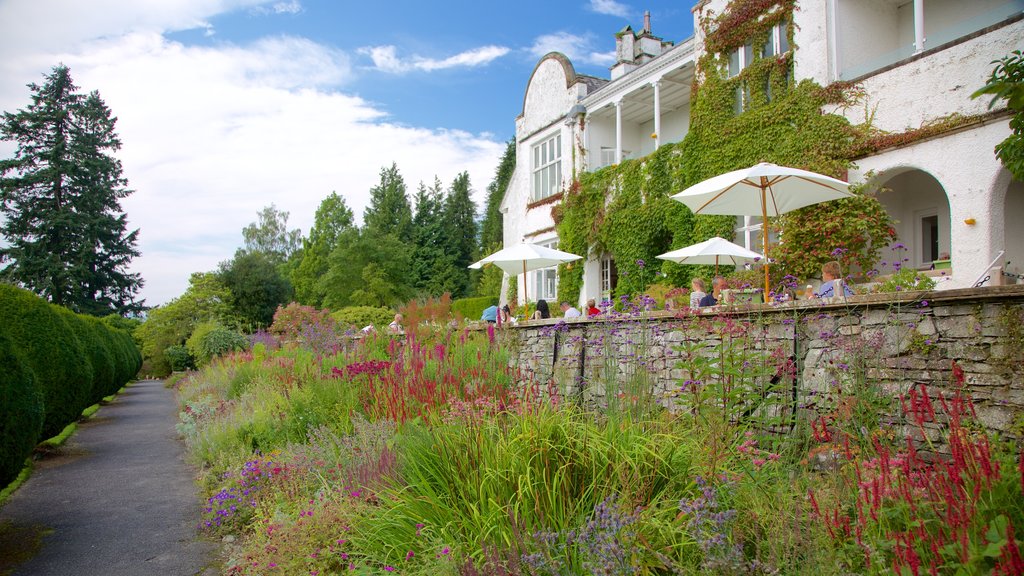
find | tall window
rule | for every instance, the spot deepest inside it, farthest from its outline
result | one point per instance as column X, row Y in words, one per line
column 778, row 40
column 547, row 167
column 545, row 280
column 740, row 58
column 609, row 277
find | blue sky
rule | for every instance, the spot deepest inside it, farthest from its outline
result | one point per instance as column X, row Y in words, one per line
column 226, row 106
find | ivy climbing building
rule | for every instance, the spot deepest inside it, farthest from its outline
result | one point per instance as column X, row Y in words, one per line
column 877, row 92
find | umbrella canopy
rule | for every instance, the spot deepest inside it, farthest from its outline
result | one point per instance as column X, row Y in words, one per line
column 763, row 190
column 711, row 252
column 522, row 258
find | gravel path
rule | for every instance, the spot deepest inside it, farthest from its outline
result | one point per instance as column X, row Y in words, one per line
column 117, row 499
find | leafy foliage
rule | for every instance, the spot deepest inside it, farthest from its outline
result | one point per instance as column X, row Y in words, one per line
column 210, row 340
column 179, row 357
column 472, row 308
column 66, row 235
column 206, row 298
column 367, row 269
column 1007, row 83
column 256, row 287
column 358, row 316
column 270, row 236
column 460, row 233
column 333, row 217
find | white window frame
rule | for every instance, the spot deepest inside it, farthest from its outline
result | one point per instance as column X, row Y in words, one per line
column 545, row 280
column 546, row 163
column 778, row 36
column 744, row 57
column 607, row 263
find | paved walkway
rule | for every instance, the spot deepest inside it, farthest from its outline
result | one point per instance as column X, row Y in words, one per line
column 117, row 499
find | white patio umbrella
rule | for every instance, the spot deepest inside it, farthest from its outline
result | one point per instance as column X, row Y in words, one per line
column 711, row 252
column 763, row 190
column 521, row 258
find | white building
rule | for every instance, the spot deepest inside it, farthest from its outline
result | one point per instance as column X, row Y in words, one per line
column 918, row 63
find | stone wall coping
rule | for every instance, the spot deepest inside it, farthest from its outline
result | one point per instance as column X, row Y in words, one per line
column 866, row 301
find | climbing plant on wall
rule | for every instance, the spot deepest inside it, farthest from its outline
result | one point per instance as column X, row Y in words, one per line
column 625, row 210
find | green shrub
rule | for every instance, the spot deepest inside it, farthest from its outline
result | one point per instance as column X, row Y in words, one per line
column 91, row 352
column 907, row 279
column 52, row 351
column 472, row 308
column 210, row 340
column 360, row 316
column 21, row 418
column 102, row 351
column 179, row 358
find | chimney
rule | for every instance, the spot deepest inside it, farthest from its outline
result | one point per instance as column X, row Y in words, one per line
column 647, row 21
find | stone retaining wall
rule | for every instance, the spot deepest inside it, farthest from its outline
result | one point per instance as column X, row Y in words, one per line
column 876, row 340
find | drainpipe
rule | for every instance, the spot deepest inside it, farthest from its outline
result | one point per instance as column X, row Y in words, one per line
column 919, row 38
column 833, row 34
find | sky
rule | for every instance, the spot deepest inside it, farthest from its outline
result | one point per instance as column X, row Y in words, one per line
column 227, row 106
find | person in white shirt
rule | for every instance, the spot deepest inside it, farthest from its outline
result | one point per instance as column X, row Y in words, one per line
column 698, row 292
column 569, row 311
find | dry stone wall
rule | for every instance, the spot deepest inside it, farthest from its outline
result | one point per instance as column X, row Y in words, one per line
column 800, row 352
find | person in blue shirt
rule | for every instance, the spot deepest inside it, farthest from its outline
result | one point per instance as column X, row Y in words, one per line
column 490, row 314
column 830, row 272
column 711, row 299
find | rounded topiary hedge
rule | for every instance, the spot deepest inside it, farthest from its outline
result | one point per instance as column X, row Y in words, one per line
column 104, row 363
column 52, row 351
column 21, row 411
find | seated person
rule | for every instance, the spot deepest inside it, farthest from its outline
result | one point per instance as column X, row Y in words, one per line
column 505, row 315
column 712, row 299
column 592, row 309
column 395, row 327
column 570, row 311
column 830, row 272
column 490, row 314
column 542, row 311
column 698, row 293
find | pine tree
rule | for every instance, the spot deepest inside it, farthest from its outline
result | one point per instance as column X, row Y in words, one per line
column 428, row 239
column 60, row 193
column 460, row 227
column 491, row 230
column 389, row 211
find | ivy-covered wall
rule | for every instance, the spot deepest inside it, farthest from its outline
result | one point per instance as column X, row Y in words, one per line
column 626, row 211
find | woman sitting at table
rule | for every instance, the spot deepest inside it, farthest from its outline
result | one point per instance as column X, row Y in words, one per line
column 832, row 275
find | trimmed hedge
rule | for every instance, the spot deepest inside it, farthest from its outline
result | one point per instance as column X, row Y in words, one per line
column 472, row 308
column 52, row 351
column 21, row 416
column 359, row 316
column 53, row 364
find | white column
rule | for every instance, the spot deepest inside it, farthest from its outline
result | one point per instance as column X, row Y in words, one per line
column 657, row 114
column 919, row 25
column 618, row 131
column 586, row 145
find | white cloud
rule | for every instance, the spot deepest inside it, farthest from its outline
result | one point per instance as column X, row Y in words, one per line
column 213, row 134
column 576, row 48
column 386, row 59
column 610, row 7
column 288, row 7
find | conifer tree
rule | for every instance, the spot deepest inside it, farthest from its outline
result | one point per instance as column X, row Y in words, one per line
column 491, row 230
column 389, row 211
column 66, row 234
column 429, row 256
column 459, row 217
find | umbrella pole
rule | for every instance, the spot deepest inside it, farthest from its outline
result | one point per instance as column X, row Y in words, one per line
column 526, row 297
column 764, row 232
column 716, row 264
